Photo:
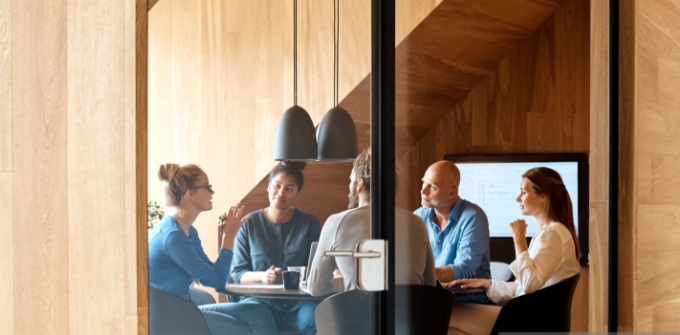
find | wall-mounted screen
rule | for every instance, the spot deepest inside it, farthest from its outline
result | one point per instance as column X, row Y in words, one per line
column 493, row 183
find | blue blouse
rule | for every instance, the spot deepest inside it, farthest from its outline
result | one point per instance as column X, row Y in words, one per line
column 176, row 260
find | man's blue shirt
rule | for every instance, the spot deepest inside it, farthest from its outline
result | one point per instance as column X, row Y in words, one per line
column 463, row 244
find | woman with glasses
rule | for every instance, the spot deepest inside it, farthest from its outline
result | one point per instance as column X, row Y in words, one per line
column 176, row 257
column 274, row 238
column 551, row 257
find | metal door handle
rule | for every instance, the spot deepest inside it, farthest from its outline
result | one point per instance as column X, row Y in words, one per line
column 355, row 254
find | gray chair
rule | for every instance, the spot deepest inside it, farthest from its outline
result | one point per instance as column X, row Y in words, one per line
column 346, row 313
column 420, row 310
column 173, row 315
column 501, row 271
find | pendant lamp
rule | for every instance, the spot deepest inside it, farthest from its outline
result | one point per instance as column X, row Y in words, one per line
column 295, row 140
column 337, row 135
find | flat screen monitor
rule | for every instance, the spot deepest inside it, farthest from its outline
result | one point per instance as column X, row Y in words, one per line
column 493, row 181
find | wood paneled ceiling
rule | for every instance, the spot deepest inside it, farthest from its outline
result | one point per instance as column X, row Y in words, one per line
column 445, row 57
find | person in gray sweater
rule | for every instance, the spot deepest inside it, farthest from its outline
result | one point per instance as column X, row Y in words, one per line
column 342, row 231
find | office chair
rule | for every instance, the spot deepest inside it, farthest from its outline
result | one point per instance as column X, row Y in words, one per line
column 173, row 315
column 419, row 310
column 546, row 310
column 500, row 271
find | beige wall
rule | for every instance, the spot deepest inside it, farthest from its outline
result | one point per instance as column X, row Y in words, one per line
column 220, row 77
column 68, row 171
column 649, row 292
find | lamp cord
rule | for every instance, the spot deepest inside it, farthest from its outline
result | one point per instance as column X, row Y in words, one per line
column 336, row 42
column 295, row 52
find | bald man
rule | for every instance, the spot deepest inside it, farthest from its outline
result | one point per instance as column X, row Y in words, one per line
column 458, row 229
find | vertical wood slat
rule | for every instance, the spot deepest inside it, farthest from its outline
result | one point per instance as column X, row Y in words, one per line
column 6, row 185
column 40, row 208
column 599, row 166
column 648, row 292
column 626, row 198
column 136, row 136
column 99, row 73
column 61, row 252
column 7, row 292
column 6, row 86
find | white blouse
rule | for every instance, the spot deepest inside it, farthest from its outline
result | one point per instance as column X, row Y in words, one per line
column 551, row 258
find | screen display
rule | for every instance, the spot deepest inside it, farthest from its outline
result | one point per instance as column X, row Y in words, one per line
column 495, row 186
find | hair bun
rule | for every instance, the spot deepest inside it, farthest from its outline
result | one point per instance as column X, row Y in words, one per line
column 167, row 171
column 297, row 165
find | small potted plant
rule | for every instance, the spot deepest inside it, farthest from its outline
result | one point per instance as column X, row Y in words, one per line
column 154, row 214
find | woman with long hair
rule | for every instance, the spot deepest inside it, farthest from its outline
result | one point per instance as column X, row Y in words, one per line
column 274, row 238
column 176, row 257
column 551, row 257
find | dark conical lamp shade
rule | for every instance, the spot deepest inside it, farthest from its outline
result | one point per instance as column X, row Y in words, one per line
column 295, row 140
column 337, row 136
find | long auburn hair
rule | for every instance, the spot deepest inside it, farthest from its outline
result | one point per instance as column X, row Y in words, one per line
column 547, row 182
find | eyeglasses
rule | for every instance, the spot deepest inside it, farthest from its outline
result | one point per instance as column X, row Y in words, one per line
column 207, row 187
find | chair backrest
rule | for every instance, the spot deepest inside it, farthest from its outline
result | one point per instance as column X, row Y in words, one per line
column 423, row 310
column 546, row 310
column 419, row 310
column 500, row 271
column 346, row 313
column 173, row 315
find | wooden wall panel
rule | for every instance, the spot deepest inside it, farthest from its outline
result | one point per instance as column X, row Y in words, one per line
column 136, row 156
column 69, row 91
column 535, row 100
column 5, row 86
column 101, row 111
column 7, row 292
column 6, row 176
column 599, row 167
column 627, row 256
column 40, row 209
column 649, row 107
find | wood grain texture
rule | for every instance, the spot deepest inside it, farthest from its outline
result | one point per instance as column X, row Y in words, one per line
column 627, row 257
column 598, row 286
column 599, row 167
column 650, row 279
column 535, row 100
column 39, row 145
column 579, row 314
column 7, row 292
column 6, row 86
column 98, row 108
column 136, row 137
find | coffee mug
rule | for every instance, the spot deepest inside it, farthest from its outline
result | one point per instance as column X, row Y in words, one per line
column 291, row 280
column 301, row 269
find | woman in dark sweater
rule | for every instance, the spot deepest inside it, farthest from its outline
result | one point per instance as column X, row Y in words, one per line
column 274, row 238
